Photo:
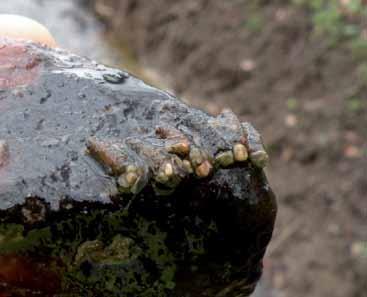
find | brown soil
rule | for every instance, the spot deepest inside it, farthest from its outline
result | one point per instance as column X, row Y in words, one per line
column 264, row 62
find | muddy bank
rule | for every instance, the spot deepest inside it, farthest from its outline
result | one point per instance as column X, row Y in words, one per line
column 263, row 61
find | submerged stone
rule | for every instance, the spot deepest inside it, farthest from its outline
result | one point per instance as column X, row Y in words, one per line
column 109, row 187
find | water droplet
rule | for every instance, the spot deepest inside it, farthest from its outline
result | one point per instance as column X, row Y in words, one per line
column 82, row 95
column 45, row 97
column 26, row 115
column 65, row 138
column 101, row 67
column 40, row 124
column 115, row 78
column 50, row 142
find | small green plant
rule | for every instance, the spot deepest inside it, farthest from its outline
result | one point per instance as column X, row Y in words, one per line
column 292, row 103
column 354, row 104
column 339, row 21
column 256, row 19
column 362, row 73
column 359, row 48
column 328, row 20
column 255, row 23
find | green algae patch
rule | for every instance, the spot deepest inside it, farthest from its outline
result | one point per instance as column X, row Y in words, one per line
column 121, row 250
column 157, row 251
column 10, row 234
column 97, row 254
column 125, row 266
column 114, row 270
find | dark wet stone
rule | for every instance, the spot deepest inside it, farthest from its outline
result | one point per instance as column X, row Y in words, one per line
column 138, row 226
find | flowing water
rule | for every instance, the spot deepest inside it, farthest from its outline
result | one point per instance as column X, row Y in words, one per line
column 77, row 30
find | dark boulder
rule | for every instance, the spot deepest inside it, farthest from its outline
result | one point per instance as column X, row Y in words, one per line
column 110, row 187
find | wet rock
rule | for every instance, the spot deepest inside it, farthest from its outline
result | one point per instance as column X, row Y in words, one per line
column 123, row 189
column 4, row 153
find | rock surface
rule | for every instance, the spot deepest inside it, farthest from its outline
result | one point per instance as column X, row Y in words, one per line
column 120, row 188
